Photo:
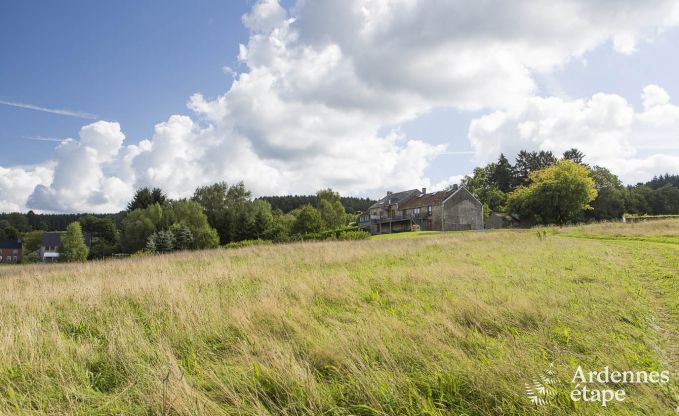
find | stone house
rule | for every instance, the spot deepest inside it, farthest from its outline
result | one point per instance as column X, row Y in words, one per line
column 453, row 210
column 10, row 251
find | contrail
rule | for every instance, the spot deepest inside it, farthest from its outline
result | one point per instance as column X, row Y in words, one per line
column 42, row 139
column 79, row 114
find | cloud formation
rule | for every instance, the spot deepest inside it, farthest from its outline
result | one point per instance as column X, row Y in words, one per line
column 81, row 178
column 605, row 127
column 322, row 80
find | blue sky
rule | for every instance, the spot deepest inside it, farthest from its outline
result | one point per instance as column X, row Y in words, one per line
column 129, row 61
column 319, row 97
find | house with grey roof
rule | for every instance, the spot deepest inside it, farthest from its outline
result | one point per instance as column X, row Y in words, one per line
column 10, row 251
column 51, row 242
column 450, row 210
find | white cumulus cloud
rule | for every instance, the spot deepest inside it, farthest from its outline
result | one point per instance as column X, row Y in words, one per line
column 321, row 80
column 605, row 127
column 80, row 180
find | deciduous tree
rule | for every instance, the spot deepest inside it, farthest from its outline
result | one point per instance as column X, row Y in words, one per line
column 308, row 220
column 73, row 246
column 556, row 194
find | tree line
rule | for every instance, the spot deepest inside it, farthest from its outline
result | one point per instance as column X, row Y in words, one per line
column 538, row 187
column 218, row 214
column 544, row 189
column 287, row 203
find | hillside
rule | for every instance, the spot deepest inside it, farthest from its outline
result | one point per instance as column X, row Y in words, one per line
column 453, row 323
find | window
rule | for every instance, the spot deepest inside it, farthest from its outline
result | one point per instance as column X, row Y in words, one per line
column 416, row 211
column 429, row 210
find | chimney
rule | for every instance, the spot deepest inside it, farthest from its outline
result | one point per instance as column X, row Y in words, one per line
column 424, row 190
column 389, row 193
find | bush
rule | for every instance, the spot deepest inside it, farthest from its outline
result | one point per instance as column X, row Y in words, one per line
column 354, row 235
column 248, row 243
column 345, row 233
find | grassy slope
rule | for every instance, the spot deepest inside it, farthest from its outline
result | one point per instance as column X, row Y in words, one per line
column 448, row 324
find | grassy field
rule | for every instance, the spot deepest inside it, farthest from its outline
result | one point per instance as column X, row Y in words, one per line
column 452, row 323
column 395, row 236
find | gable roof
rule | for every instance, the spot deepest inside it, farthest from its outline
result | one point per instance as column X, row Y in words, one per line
column 14, row 244
column 395, row 198
column 53, row 238
column 424, row 200
column 463, row 193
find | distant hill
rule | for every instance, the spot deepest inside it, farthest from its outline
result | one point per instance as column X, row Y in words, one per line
column 287, row 203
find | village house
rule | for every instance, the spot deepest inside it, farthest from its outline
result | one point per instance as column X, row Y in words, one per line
column 51, row 242
column 10, row 251
column 452, row 210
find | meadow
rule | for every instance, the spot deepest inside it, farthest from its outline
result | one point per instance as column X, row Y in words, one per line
column 439, row 324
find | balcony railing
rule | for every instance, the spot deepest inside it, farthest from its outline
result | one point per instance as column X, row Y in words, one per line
column 374, row 219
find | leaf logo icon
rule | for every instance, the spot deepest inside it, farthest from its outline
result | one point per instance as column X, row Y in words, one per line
column 542, row 388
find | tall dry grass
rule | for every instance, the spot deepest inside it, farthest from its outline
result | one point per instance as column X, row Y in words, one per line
column 656, row 228
column 452, row 324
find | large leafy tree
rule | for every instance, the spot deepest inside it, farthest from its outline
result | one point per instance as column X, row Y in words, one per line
column 231, row 211
column 636, row 199
column 191, row 214
column 32, row 241
column 263, row 219
column 281, row 227
column 645, row 199
column 483, row 186
column 104, row 235
column 226, row 209
column 7, row 231
column 610, row 201
column 138, row 226
column 213, row 199
column 664, row 200
column 73, row 246
column 331, row 209
column 308, row 220
column 556, row 194
column 18, row 221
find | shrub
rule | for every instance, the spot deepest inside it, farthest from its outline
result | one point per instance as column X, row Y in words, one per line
column 344, row 233
column 248, row 243
column 354, row 235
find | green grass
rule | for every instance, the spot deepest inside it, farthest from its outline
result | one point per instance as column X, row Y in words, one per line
column 446, row 324
column 416, row 234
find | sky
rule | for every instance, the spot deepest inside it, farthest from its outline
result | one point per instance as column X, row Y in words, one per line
column 98, row 99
